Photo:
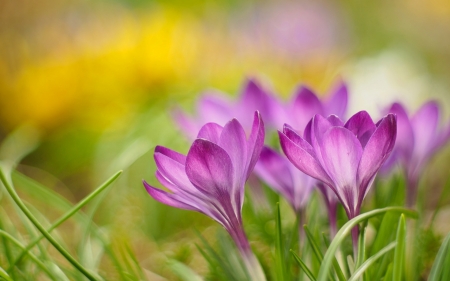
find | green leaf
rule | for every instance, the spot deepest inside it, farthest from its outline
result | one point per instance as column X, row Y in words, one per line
column 9, row 187
column 361, row 245
column 360, row 270
column 441, row 262
column 183, row 271
column 280, row 260
column 346, row 229
column 399, row 255
column 304, row 266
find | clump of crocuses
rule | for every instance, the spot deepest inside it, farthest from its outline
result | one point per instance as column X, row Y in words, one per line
column 418, row 139
column 211, row 178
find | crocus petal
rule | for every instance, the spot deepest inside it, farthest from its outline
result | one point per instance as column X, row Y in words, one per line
column 255, row 143
column 185, row 123
column 341, row 153
column 234, row 142
column 214, row 107
column 295, row 138
column 167, row 198
column 180, row 158
column 424, row 124
column 305, row 105
column 319, row 126
column 361, row 124
column 209, row 168
column 337, row 103
column 211, row 132
column 376, row 152
column 254, row 98
column 274, row 170
column 335, row 120
column 174, row 172
column 302, row 159
column 404, row 142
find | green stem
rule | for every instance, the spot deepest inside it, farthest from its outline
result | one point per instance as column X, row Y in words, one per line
column 36, row 223
column 346, row 229
column 67, row 215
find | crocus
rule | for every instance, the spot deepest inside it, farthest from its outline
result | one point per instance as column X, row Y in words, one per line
column 418, row 139
column 306, row 104
column 345, row 157
column 216, row 107
column 294, row 185
column 211, row 178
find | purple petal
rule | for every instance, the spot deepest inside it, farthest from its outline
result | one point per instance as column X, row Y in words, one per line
column 209, row 168
column 274, row 170
column 211, row 132
column 362, row 126
column 295, row 138
column 174, row 172
column 424, row 124
column 167, row 198
column 319, row 126
column 298, row 154
column 337, row 103
column 215, row 108
column 234, row 142
column 255, row 143
column 341, row 152
column 335, row 120
column 376, row 152
column 254, row 98
column 180, row 158
column 404, row 142
column 305, row 106
column 185, row 123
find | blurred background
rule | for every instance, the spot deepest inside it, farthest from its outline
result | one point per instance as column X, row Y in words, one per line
column 98, row 80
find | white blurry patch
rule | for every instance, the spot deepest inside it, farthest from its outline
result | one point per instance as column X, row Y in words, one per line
column 393, row 75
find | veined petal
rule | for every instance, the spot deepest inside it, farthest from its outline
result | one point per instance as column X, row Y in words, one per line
column 255, row 143
column 337, row 103
column 234, row 142
column 167, row 198
column 295, row 138
column 173, row 171
column 361, row 124
column 341, row 153
column 180, row 158
column 209, row 168
column 211, row 132
column 319, row 126
column 302, row 159
column 424, row 124
column 376, row 152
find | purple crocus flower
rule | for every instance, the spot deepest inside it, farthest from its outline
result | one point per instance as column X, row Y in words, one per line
column 345, row 157
column 418, row 139
column 211, row 178
column 216, row 107
column 284, row 178
column 306, row 104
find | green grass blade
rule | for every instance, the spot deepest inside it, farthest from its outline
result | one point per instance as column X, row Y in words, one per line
column 70, row 213
column 361, row 245
column 37, row 261
column 336, row 265
column 346, row 229
column 360, row 270
column 440, row 261
column 36, row 223
column 4, row 275
column 183, row 271
column 399, row 255
column 304, row 266
column 280, row 260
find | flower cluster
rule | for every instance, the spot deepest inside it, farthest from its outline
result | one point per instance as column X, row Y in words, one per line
column 323, row 150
